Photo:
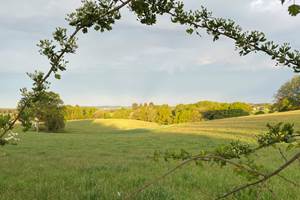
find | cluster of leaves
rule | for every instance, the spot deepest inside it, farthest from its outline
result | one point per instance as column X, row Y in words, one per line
column 234, row 150
column 293, row 9
column 100, row 15
column 279, row 133
column 147, row 10
column 55, row 50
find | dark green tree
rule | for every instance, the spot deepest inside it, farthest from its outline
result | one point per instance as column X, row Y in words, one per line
column 47, row 109
column 164, row 115
column 288, row 96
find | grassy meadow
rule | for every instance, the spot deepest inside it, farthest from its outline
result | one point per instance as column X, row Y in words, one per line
column 105, row 159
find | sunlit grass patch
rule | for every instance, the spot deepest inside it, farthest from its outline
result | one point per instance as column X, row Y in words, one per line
column 125, row 124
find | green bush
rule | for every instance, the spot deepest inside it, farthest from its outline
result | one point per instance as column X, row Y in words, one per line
column 220, row 114
column 55, row 121
column 259, row 112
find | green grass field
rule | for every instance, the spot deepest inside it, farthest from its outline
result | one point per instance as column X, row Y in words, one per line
column 104, row 158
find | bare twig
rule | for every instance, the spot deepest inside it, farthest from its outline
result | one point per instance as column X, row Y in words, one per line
column 282, row 154
column 139, row 190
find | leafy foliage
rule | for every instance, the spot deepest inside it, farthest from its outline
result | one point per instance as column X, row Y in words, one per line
column 293, row 9
column 288, row 96
column 79, row 112
column 182, row 113
column 48, row 108
column 4, row 124
column 279, row 133
column 220, row 114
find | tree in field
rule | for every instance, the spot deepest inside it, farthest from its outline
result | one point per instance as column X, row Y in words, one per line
column 186, row 113
column 102, row 14
column 48, row 109
column 163, row 115
column 288, row 96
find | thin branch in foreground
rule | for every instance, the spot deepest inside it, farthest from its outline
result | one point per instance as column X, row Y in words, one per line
column 274, row 173
column 139, row 190
column 282, row 154
column 207, row 159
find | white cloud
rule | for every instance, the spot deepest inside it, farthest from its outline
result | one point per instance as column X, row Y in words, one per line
column 266, row 6
column 36, row 8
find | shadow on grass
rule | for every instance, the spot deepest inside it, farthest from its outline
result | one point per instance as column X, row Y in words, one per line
column 152, row 137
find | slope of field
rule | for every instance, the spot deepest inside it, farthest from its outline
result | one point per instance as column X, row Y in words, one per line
column 105, row 159
column 240, row 128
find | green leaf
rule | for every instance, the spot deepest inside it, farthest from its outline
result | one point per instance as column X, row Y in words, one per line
column 294, row 9
column 84, row 30
column 189, row 31
column 57, row 76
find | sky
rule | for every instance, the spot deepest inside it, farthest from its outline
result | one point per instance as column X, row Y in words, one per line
column 138, row 63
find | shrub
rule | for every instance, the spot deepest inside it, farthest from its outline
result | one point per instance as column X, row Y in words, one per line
column 220, row 114
column 55, row 121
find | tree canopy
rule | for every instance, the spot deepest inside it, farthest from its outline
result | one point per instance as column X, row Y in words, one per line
column 48, row 109
column 288, row 96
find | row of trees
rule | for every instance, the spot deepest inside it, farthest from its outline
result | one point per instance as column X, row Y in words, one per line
column 49, row 113
column 78, row 112
column 287, row 98
column 165, row 114
column 5, row 111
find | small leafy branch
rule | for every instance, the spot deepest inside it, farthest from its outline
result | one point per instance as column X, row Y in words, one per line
column 238, row 156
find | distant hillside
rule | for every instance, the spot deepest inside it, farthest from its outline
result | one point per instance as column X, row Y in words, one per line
column 238, row 128
column 7, row 110
column 241, row 128
column 111, row 107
